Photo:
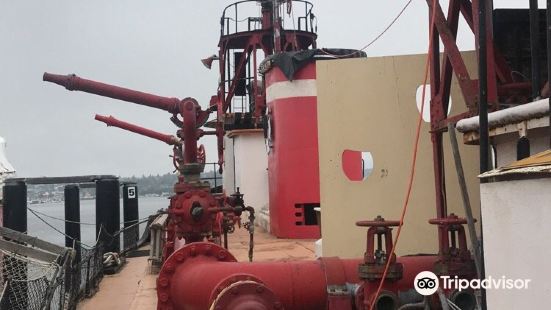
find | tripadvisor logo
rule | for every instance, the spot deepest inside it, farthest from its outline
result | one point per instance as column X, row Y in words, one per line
column 426, row 283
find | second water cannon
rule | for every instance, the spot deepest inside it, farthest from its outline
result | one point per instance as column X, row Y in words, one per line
column 191, row 116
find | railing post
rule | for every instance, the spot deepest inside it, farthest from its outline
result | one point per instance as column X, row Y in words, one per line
column 215, row 175
column 535, row 48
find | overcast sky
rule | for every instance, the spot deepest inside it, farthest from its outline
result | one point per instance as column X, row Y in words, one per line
column 148, row 45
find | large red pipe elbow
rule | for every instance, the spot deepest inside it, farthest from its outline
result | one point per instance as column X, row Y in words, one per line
column 195, row 276
column 189, row 278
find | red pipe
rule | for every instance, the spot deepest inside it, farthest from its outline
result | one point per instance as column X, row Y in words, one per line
column 111, row 121
column 188, row 110
column 191, row 276
column 73, row 82
column 188, row 107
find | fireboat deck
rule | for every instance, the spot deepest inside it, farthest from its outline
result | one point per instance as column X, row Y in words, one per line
column 134, row 286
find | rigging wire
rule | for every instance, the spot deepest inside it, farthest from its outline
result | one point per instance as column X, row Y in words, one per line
column 59, row 231
column 36, row 213
column 376, row 38
column 237, row 20
column 60, row 219
column 80, row 223
column 414, row 159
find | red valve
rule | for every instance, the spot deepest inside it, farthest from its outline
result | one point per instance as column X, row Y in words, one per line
column 454, row 256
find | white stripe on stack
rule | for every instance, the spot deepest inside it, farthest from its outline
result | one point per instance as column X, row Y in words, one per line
column 291, row 89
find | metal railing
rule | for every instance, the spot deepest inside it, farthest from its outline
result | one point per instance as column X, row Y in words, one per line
column 157, row 231
column 33, row 272
column 216, row 179
column 236, row 17
column 40, row 275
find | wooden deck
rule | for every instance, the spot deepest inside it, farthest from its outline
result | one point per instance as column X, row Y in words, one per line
column 134, row 287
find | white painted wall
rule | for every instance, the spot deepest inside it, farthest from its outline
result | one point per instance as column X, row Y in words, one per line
column 506, row 144
column 228, row 174
column 506, row 149
column 539, row 140
column 517, row 240
column 251, row 168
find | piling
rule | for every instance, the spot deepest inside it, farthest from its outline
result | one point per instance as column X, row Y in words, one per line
column 108, row 213
column 130, row 214
column 72, row 219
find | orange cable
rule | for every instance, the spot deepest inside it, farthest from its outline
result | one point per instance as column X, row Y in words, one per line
column 414, row 161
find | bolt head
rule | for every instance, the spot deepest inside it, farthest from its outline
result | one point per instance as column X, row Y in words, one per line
column 163, row 281
column 170, row 267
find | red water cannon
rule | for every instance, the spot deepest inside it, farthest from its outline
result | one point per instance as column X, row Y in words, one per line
column 196, row 214
column 111, row 121
column 192, row 117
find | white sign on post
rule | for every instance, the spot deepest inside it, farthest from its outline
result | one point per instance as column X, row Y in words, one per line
column 132, row 192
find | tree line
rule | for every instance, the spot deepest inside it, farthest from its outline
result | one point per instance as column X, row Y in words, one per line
column 163, row 184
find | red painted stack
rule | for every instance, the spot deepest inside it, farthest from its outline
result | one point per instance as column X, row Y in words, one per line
column 293, row 163
column 293, row 159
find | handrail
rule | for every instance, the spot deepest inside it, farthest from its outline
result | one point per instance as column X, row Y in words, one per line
column 218, row 180
column 305, row 18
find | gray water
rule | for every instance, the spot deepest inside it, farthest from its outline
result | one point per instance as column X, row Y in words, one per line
column 146, row 206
